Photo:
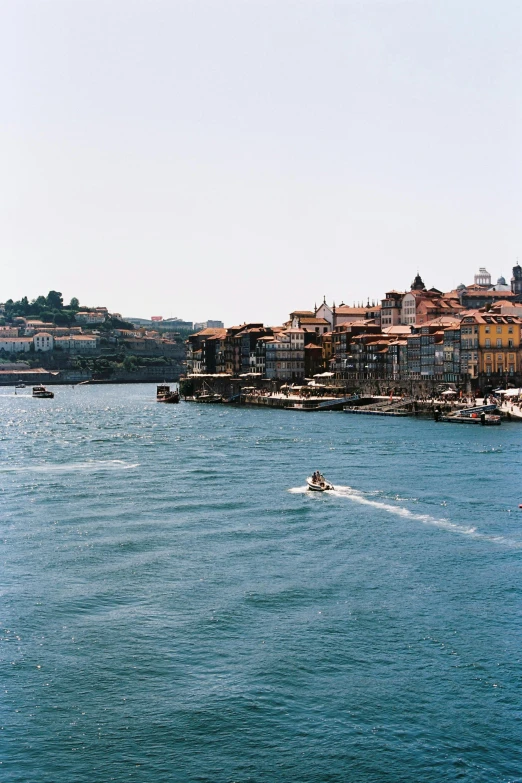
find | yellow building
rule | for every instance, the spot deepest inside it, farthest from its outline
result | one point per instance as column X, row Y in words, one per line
column 327, row 349
column 491, row 344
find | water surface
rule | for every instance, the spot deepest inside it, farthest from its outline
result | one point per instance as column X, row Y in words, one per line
column 177, row 607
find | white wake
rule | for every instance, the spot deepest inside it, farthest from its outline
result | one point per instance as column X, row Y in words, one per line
column 401, row 511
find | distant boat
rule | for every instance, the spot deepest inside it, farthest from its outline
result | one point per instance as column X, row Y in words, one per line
column 42, row 392
column 164, row 394
column 20, row 385
column 318, row 483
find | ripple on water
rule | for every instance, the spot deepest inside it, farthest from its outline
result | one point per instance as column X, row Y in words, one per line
column 177, row 605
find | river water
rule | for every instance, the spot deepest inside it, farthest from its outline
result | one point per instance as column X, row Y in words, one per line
column 177, row 607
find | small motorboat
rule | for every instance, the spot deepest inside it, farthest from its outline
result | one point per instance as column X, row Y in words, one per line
column 164, row 394
column 318, row 483
column 20, row 385
column 42, row 393
column 208, row 397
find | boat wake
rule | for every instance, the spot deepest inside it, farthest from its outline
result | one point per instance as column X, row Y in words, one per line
column 74, row 467
column 401, row 511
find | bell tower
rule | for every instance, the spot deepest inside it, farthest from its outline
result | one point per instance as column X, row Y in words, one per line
column 516, row 282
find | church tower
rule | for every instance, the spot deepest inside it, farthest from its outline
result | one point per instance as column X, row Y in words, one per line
column 418, row 284
column 516, row 282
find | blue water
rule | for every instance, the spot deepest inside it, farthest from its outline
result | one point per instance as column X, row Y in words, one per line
column 176, row 607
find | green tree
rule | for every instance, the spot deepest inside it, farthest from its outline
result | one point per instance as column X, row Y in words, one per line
column 54, row 300
column 130, row 363
column 74, row 304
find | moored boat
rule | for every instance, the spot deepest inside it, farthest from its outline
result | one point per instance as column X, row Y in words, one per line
column 480, row 414
column 486, row 419
column 165, row 394
column 208, row 397
column 318, row 483
column 42, row 393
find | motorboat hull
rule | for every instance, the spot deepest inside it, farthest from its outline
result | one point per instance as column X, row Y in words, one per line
column 40, row 392
column 321, row 486
column 173, row 397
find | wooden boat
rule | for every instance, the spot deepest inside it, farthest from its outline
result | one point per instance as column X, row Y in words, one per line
column 42, row 393
column 318, row 483
column 165, row 394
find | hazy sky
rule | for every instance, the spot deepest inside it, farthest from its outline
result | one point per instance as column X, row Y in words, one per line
column 237, row 160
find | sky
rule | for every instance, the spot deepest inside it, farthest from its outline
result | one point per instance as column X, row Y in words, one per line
column 238, row 160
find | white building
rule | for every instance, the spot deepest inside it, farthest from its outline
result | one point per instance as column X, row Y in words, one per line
column 81, row 343
column 90, row 317
column 15, row 344
column 483, row 278
column 285, row 355
column 409, row 309
column 43, row 341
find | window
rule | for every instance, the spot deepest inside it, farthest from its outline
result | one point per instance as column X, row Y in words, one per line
column 487, row 330
column 499, row 330
column 510, row 343
column 488, row 342
column 499, row 342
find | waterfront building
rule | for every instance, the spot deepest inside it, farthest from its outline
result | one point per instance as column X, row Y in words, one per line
column 342, row 338
column 397, row 360
column 285, row 355
column 197, row 351
column 327, row 350
column 451, row 354
column 369, row 357
column 414, row 357
column 313, row 360
column 495, row 342
column 431, row 353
